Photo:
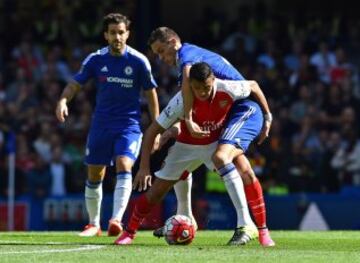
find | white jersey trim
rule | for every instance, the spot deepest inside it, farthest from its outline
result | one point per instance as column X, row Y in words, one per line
column 141, row 56
column 237, row 89
column 102, row 51
column 173, row 112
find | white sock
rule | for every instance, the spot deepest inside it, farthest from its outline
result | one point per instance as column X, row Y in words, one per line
column 235, row 188
column 122, row 194
column 93, row 198
column 183, row 196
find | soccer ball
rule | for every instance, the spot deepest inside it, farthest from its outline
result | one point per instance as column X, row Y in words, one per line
column 179, row 230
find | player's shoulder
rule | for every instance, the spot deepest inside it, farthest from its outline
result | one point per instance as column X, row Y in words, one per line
column 137, row 55
column 189, row 46
column 189, row 54
column 188, row 49
column 227, row 86
column 221, row 84
column 97, row 54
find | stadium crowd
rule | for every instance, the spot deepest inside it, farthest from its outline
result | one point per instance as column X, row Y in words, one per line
column 307, row 66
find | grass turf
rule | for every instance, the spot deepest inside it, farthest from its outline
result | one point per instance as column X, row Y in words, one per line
column 208, row 246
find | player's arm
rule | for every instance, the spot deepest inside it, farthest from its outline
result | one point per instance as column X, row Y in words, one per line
column 242, row 89
column 261, row 99
column 85, row 73
column 153, row 107
column 170, row 133
column 188, row 96
column 68, row 93
column 171, row 114
column 153, row 103
column 143, row 177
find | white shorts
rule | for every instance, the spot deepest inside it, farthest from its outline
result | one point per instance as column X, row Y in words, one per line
column 186, row 157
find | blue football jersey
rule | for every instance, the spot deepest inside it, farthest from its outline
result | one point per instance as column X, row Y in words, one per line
column 119, row 80
column 190, row 54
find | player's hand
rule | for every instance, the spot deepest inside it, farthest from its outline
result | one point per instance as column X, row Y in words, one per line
column 142, row 180
column 172, row 132
column 195, row 130
column 264, row 132
column 61, row 110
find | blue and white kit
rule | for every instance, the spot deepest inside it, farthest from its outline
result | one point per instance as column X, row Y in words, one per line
column 115, row 128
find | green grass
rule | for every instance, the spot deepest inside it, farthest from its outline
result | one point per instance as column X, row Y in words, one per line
column 208, row 246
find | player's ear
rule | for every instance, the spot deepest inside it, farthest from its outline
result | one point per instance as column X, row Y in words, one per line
column 106, row 35
column 172, row 41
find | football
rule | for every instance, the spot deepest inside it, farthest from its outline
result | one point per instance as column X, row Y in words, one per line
column 179, row 230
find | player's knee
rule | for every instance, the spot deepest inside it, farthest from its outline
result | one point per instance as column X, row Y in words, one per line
column 124, row 163
column 220, row 158
column 96, row 173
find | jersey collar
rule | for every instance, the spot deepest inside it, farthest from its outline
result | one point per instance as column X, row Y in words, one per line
column 126, row 51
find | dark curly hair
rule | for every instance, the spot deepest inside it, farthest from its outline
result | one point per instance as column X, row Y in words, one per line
column 115, row 18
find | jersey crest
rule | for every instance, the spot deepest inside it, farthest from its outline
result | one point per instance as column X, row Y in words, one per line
column 223, row 103
column 128, row 70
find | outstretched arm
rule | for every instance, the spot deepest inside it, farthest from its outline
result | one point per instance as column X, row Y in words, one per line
column 143, row 176
column 68, row 93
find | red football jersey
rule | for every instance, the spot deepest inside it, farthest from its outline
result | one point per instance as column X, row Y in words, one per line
column 211, row 114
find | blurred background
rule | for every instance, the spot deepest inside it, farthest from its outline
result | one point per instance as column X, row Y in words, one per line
column 305, row 56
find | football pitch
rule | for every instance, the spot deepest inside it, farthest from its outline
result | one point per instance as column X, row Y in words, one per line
column 208, row 246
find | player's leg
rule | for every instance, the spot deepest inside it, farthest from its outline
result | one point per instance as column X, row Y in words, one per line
column 126, row 149
column 186, row 158
column 246, row 125
column 222, row 159
column 122, row 192
column 143, row 206
column 181, row 160
column 93, row 198
column 98, row 156
column 183, row 196
column 255, row 199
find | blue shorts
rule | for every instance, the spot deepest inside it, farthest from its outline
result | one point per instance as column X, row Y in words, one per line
column 104, row 145
column 243, row 125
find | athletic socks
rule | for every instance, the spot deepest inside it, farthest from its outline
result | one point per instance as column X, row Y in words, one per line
column 141, row 210
column 254, row 196
column 235, row 188
column 122, row 194
column 183, row 196
column 93, row 198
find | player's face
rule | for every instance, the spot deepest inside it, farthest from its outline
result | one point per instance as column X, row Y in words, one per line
column 165, row 50
column 202, row 89
column 116, row 36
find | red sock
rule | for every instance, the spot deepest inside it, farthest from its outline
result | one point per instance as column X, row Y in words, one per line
column 141, row 210
column 255, row 199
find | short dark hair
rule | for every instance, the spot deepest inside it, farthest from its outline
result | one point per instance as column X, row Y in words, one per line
column 200, row 71
column 163, row 34
column 115, row 18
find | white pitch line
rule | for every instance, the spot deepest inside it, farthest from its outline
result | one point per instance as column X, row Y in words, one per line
column 87, row 247
column 10, row 242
